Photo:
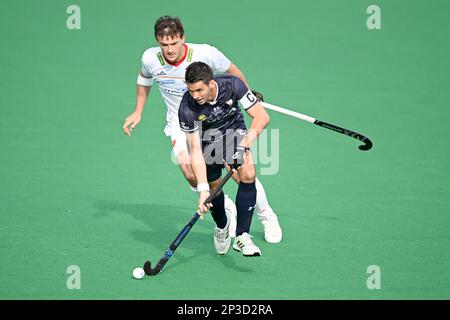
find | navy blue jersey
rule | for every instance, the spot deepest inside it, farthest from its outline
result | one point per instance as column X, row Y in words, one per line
column 213, row 119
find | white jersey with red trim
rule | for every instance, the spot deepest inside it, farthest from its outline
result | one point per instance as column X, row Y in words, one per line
column 170, row 77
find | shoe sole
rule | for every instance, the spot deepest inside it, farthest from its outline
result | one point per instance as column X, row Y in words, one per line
column 271, row 241
column 222, row 253
column 256, row 254
column 226, row 250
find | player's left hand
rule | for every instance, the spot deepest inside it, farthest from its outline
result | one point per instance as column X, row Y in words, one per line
column 202, row 207
column 131, row 122
column 258, row 95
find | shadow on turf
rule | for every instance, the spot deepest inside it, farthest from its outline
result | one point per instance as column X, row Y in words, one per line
column 165, row 222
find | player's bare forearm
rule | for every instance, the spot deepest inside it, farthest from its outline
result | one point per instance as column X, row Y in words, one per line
column 198, row 166
column 133, row 119
column 259, row 122
column 199, row 169
column 234, row 71
column 197, row 160
column 141, row 97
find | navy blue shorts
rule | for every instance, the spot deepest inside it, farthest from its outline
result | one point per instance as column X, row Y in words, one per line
column 216, row 152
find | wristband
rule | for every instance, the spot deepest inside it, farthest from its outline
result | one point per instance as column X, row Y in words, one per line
column 203, row 187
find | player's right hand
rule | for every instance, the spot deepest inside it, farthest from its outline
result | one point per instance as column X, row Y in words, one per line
column 202, row 208
column 131, row 122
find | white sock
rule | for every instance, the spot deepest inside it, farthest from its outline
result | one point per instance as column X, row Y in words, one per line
column 194, row 189
column 262, row 205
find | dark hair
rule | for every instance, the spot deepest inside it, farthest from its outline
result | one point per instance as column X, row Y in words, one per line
column 198, row 71
column 168, row 26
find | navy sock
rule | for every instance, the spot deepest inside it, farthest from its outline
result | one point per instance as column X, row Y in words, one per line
column 245, row 205
column 218, row 211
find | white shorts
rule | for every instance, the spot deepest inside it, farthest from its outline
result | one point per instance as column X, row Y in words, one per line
column 177, row 137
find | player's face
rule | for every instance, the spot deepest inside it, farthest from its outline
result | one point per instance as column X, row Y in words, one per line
column 202, row 92
column 172, row 48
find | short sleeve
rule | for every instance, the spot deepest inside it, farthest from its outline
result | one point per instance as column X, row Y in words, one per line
column 217, row 60
column 145, row 70
column 186, row 117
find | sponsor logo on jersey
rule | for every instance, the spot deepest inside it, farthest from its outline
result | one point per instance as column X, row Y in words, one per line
column 161, row 73
column 171, row 81
column 177, row 92
column 201, row 117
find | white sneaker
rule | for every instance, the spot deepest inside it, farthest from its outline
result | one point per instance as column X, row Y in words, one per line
column 222, row 238
column 244, row 244
column 230, row 207
column 272, row 229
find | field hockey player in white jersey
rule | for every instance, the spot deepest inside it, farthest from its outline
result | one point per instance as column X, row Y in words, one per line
column 166, row 65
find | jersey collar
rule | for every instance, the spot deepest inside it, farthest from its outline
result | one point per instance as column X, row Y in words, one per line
column 182, row 59
column 217, row 94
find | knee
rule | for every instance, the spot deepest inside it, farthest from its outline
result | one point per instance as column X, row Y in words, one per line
column 247, row 174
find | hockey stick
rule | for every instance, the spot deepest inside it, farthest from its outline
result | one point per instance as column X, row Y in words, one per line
column 364, row 147
column 169, row 252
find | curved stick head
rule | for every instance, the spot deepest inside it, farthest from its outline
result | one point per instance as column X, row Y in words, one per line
column 367, row 146
column 148, row 269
